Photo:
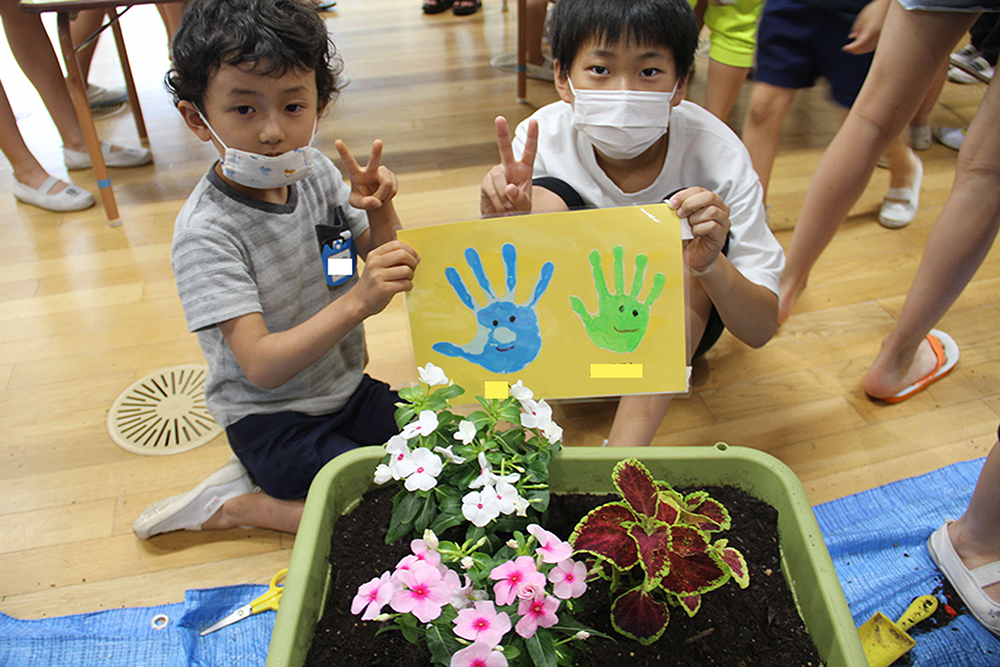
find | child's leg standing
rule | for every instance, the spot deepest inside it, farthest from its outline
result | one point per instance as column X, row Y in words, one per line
column 734, row 38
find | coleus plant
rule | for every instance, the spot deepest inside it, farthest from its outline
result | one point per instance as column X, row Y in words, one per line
column 656, row 547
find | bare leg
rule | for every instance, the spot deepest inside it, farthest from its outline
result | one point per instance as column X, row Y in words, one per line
column 762, row 128
column 83, row 26
column 27, row 169
column 724, row 83
column 902, row 163
column 912, row 42
column 976, row 536
column 924, row 112
column 260, row 511
column 534, row 17
column 638, row 417
column 957, row 245
column 34, row 54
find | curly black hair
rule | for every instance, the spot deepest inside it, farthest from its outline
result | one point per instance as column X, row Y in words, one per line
column 669, row 23
column 272, row 35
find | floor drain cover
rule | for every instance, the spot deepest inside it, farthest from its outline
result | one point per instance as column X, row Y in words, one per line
column 163, row 413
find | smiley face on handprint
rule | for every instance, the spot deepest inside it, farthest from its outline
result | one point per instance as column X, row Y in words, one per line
column 621, row 320
column 508, row 337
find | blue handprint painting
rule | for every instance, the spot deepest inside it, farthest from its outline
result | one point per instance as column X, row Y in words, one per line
column 508, row 337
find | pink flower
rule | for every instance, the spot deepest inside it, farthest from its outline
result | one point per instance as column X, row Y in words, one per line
column 550, row 547
column 478, row 655
column 540, row 612
column 372, row 597
column 423, row 594
column 512, row 576
column 424, row 553
column 569, row 579
column 482, row 623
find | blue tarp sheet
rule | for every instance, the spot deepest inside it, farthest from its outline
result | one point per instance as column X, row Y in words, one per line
column 127, row 638
column 878, row 542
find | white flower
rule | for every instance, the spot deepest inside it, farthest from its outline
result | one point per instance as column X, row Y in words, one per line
column 486, row 476
column 450, row 455
column 466, row 431
column 507, row 496
column 427, row 466
column 537, row 414
column 383, row 474
column 552, row 432
column 521, row 506
column 582, row 635
column 400, row 459
column 520, row 392
column 480, row 507
column 512, row 543
column 467, row 562
column 432, row 375
column 425, row 424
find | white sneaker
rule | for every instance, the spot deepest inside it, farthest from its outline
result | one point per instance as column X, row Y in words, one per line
column 979, row 69
column 919, row 137
column 70, row 198
column 102, row 97
column 123, row 157
column 901, row 204
column 956, row 75
column 507, row 62
column 188, row 511
column 952, row 137
column 965, row 55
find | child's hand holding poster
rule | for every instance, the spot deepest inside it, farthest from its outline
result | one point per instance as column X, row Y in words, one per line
column 576, row 304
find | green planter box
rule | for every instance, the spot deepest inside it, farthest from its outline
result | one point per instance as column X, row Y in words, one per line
column 805, row 559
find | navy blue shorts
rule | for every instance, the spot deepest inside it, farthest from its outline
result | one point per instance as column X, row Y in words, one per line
column 284, row 451
column 798, row 42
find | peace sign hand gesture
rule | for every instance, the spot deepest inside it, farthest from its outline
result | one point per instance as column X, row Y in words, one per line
column 506, row 187
column 373, row 185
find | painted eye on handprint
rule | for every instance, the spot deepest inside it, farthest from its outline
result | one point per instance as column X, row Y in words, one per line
column 620, row 322
column 508, row 337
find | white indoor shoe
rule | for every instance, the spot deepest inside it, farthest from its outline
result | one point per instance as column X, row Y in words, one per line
column 123, row 157
column 70, row 198
column 900, row 204
column 188, row 511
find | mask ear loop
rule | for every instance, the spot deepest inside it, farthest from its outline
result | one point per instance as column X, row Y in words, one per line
column 211, row 129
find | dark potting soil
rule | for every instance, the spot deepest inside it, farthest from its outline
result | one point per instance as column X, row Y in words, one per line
column 754, row 627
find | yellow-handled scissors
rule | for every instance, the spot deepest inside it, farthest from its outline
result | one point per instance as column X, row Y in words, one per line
column 266, row 602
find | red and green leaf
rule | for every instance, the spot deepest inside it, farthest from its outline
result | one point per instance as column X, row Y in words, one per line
column 654, row 552
column 690, row 603
column 636, row 486
column 709, row 513
column 637, row 615
column 604, row 533
column 667, row 508
column 694, row 567
column 736, row 562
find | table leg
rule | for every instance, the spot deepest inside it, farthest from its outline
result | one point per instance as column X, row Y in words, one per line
column 78, row 91
column 522, row 46
column 133, row 97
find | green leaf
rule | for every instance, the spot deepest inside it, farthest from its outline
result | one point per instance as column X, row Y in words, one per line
column 542, row 649
column 408, row 626
column 427, row 513
column 450, row 392
column 441, row 640
column 411, row 394
column 404, row 509
column 480, row 419
column 404, row 415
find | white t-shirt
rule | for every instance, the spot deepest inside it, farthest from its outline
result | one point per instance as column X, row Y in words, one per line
column 703, row 151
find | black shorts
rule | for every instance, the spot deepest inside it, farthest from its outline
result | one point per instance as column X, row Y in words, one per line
column 284, row 451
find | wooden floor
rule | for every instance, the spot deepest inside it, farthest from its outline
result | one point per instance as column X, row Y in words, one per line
column 85, row 310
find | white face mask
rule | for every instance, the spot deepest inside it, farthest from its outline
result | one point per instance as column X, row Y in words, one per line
column 622, row 124
column 264, row 172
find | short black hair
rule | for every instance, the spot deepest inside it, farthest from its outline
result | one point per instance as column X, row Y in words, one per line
column 274, row 36
column 669, row 23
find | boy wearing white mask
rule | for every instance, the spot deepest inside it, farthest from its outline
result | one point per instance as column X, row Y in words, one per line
column 265, row 258
column 622, row 135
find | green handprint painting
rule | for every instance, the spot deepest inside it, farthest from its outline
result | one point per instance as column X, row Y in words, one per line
column 621, row 320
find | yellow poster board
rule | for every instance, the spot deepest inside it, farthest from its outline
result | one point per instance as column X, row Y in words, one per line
column 576, row 304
